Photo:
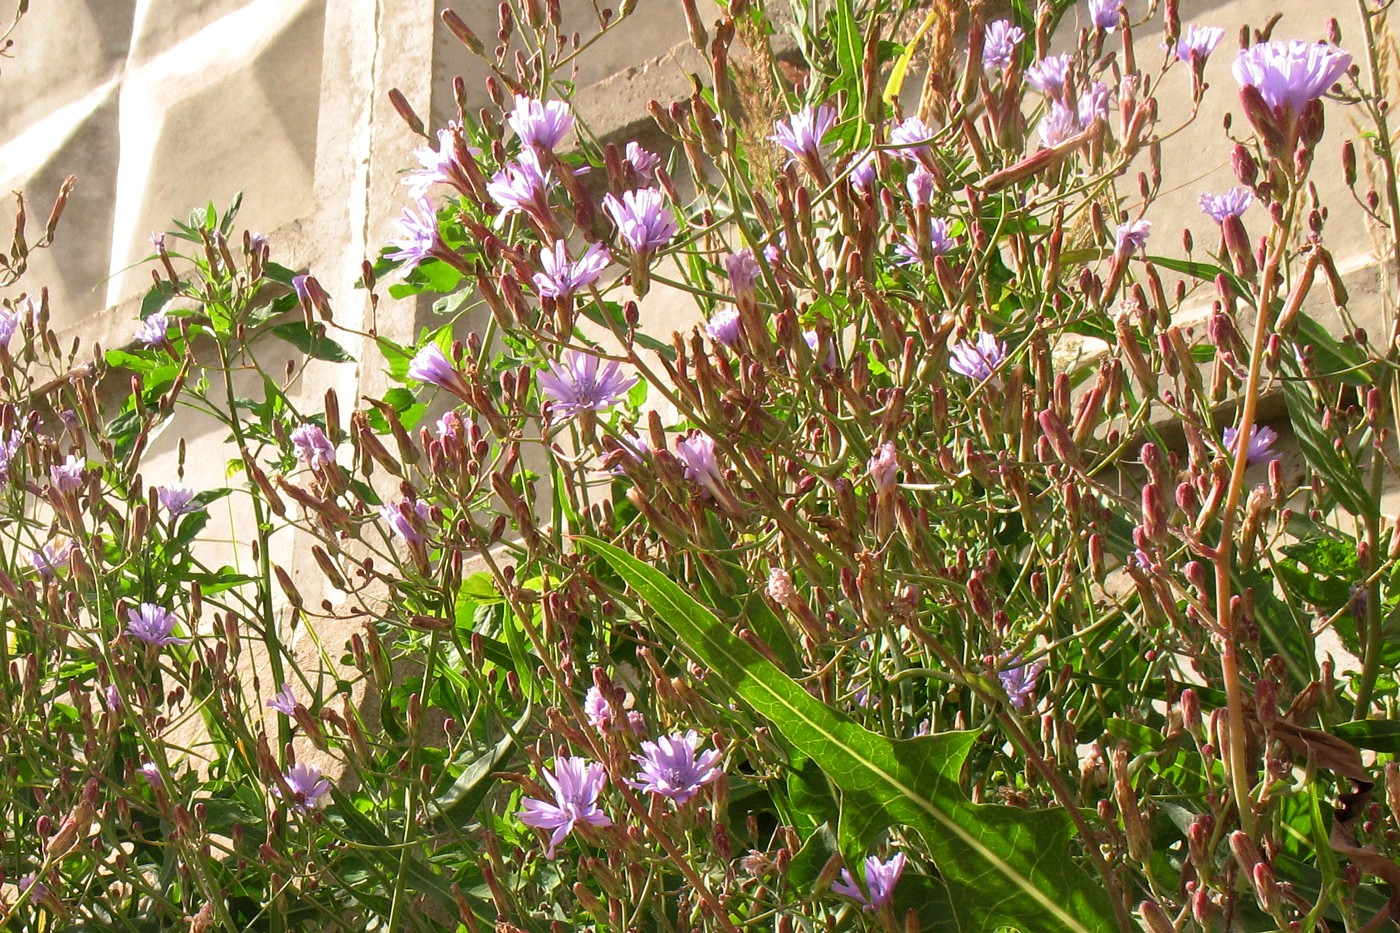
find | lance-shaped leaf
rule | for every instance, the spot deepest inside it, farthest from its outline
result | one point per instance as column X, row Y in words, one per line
column 1004, row 867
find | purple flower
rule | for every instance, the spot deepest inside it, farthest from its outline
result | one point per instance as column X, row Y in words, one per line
column 285, row 702
column 1197, row 42
column 521, row 186
column 880, row 878
column 597, row 708
column 112, row 698
column 643, row 220
column 1018, row 679
column 308, row 788
column 432, row 366
column 862, row 174
column 449, row 426
column 743, row 271
column 1093, row 103
column 921, row 187
column 1048, row 76
column 151, row 331
column 1059, row 124
column 1104, row 13
column 578, row 385
column 814, row 342
column 561, row 278
column 576, row 783
column 177, row 500
column 8, row 448
column 37, row 889
column 802, row 133
column 999, row 45
column 939, row 242
column 9, row 323
column 153, row 624
column 541, row 123
column 672, row 768
column 1289, row 75
column 312, row 446
column 1232, row 203
column 439, row 165
column 883, row 467
column 151, row 772
column 406, row 519
column 417, row 234
column 910, row 140
column 51, row 558
column 68, row 476
column 697, row 454
column 1261, row 444
column 723, row 327
column 1132, row 235
column 977, row 361
column 644, row 161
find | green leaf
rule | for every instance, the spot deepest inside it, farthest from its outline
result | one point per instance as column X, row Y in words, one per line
column 1377, row 735
column 315, row 345
column 457, row 805
column 1003, row 866
column 1343, row 479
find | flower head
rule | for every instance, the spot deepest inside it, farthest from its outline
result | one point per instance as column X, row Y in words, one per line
column 541, row 123
column 576, row 783
column 9, row 323
column 910, row 139
column 51, row 558
column 285, row 702
column 644, row 161
column 1132, row 235
column 579, row 385
column 308, row 787
column 862, row 174
column 672, row 767
column 1232, row 203
column 644, row 222
column 1260, row 448
column 1048, row 76
column 561, row 277
column 9, row 446
column 406, row 519
column 432, row 366
column 883, row 467
column 802, row 133
column 697, row 454
column 1197, row 42
column 151, row 331
column 1093, row 103
column 67, row 476
column 1104, row 13
column 880, row 878
column 37, row 890
column 177, row 500
column 1290, row 75
column 1059, row 124
column 723, row 327
column 312, row 446
column 743, row 271
column 978, row 360
column 597, row 708
column 814, row 343
column 1018, row 679
column 521, row 186
column 417, row 229
column 151, row 772
column 153, row 624
column 438, row 166
column 999, row 44
column 921, row 187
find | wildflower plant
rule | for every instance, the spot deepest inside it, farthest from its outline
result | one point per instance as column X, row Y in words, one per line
column 937, row 573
